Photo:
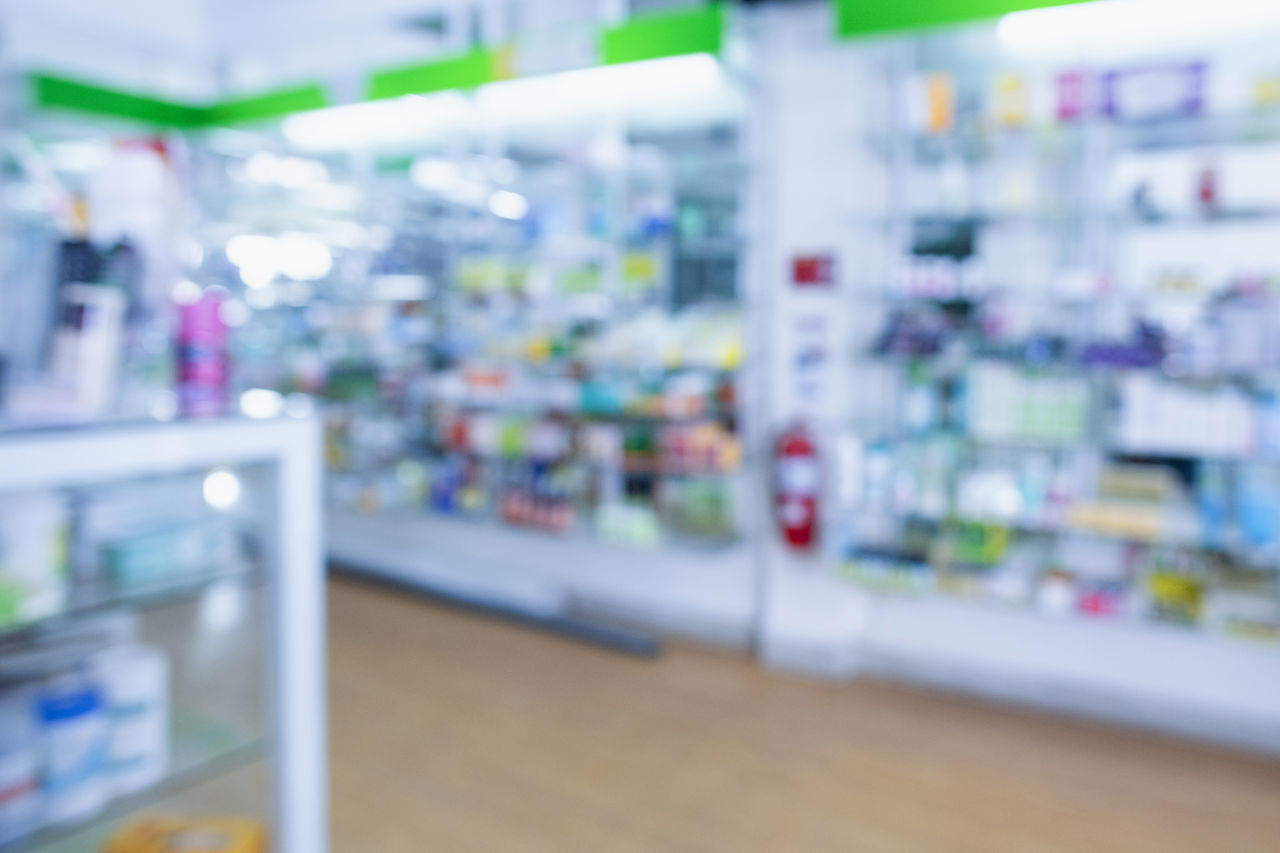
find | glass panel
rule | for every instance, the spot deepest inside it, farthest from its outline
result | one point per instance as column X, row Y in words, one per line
column 1074, row 329
column 133, row 659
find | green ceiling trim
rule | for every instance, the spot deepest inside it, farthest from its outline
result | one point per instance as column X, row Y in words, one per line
column 459, row 72
column 53, row 92
column 878, row 17
column 268, row 105
column 697, row 30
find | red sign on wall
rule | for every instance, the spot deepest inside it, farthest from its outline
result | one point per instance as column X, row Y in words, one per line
column 811, row 270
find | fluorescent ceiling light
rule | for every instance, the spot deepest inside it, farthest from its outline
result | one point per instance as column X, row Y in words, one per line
column 1104, row 26
column 679, row 87
column 590, row 92
column 389, row 122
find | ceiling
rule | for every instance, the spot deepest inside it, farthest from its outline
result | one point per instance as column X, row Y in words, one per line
column 205, row 49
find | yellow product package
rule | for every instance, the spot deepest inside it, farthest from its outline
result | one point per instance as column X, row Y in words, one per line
column 181, row 835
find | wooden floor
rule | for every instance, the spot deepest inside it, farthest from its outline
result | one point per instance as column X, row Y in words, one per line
column 452, row 732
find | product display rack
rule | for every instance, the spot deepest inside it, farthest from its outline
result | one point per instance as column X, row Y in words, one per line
column 1072, row 425
column 569, row 375
column 246, row 714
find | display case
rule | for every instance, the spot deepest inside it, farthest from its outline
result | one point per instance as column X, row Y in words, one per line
column 1054, row 478
column 525, row 332
column 162, row 635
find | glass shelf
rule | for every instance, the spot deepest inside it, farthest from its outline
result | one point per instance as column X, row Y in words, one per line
column 1099, row 621
column 1164, row 538
column 201, row 751
column 87, row 599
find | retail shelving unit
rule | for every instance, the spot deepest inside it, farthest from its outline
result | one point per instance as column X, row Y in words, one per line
column 528, row 349
column 1065, row 486
column 197, row 543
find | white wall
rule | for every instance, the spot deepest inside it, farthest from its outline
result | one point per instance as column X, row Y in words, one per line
column 162, row 48
column 205, row 49
column 817, row 99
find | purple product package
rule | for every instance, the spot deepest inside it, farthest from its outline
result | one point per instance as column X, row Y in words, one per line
column 1155, row 92
column 202, row 358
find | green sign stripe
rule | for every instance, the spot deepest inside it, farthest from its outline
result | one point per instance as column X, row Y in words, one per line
column 61, row 93
column 268, row 105
column 698, row 30
column 872, row 17
column 459, row 72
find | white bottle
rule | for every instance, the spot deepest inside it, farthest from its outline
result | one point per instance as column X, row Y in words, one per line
column 73, row 734
column 135, row 686
column 33, row 552
column 19, row 766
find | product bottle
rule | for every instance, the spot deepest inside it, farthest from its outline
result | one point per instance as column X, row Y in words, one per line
column 203, row 360
column 33, row 556
column 19, row 766
column 74, row 735
column 135, row 686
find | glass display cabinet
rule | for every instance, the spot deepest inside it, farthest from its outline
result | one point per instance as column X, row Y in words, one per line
column 162, row 635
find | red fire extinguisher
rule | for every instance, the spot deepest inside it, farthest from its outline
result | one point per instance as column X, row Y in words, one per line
column 798, row 482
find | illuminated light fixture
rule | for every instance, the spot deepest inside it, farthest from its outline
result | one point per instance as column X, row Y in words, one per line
column 261, row 403
column 302, row 257
column 508, row 205
column 221, row 488
column 396, row 120
column 251, row 250
column 670, row 85
column 585, row 93
column 435, row 173
column 254, row 255
column 261, row 258
column 1106, row 26
column 256, row 278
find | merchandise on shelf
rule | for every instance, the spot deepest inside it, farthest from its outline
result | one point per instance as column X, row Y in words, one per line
column 20, row 805
column 34, row 530
column 75, row 733
column 96, row 333
column 571, row 366
column 190, row 835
